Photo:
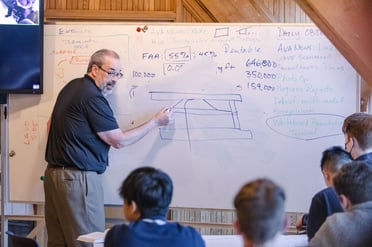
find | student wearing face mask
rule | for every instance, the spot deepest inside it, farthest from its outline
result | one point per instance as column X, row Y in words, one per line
column 357, row 129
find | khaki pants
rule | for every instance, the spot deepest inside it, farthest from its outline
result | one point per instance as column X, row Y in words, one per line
column 73, row 205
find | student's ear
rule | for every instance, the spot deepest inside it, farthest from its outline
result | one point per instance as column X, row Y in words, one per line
column 345, row 202
column 135, row 212
column 133, row 207
column 236, row 227
column 328, row 177
column 246, row 242
column 285, row 224
column 131, row 212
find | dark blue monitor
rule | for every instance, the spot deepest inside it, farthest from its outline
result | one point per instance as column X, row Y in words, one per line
column 21, row 46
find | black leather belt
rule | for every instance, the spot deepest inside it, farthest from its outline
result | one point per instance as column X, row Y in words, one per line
column 62, row 167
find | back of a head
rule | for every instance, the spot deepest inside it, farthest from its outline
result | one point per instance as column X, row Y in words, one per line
column 150, row 188
column 359, row 126
column 334, row 158
column 260, row 210
column 354, row 180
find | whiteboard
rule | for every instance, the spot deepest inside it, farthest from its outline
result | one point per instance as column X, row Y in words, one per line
column 249, row 101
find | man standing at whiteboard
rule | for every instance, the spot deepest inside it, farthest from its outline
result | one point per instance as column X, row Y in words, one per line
column 82, row 128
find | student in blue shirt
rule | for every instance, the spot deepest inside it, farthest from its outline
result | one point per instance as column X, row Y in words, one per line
column 147, row 193
column 326, row 201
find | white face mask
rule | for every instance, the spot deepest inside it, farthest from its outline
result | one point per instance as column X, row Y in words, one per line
column 347, row 144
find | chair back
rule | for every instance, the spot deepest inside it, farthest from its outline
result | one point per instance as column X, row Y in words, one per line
column 19, row 241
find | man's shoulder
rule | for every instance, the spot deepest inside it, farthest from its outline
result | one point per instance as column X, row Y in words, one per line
column 117, row 235
column 367, row 158
column 173, row 232
column 83, row 88
column 188, row 232
column 119, row 227
column 181, row 229
column 341, row 220
column 84, row 82
column 328, row 200
column 72, row 85
column 323, row 193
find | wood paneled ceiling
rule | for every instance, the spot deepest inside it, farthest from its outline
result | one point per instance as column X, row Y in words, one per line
column 347, row 24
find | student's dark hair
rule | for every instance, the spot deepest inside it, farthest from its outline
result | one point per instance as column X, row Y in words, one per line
column 334, row 158
column 260, row 210
column 359, row 126
column 354, row 180
column 99, row 56
column 150, row 188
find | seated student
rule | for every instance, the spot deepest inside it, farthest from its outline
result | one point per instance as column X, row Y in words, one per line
column 325, row 202
column 357, row 129
column 260, row 213
column 147, row 193
column 353, row 184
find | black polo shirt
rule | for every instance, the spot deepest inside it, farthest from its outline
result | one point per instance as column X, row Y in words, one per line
column 79, row 113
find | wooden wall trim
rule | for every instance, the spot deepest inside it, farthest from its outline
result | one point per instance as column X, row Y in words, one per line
column 107, row 15
column 225, row 11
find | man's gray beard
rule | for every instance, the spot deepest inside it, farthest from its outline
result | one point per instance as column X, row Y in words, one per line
column 106, row 92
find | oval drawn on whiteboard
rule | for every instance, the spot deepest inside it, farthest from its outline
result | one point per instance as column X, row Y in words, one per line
column 306, row 127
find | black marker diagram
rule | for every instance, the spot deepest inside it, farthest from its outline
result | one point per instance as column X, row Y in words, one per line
column 202, row 117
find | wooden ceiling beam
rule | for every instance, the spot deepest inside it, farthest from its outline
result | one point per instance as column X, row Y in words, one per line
column 234, row 11
column 347, row 25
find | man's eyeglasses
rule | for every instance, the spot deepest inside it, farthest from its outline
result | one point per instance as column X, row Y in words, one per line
column 111, row 74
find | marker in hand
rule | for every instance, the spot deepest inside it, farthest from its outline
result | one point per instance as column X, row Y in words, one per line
column 168, row 109
column 169, row 112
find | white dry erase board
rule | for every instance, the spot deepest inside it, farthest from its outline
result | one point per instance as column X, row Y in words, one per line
column 249, row 101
